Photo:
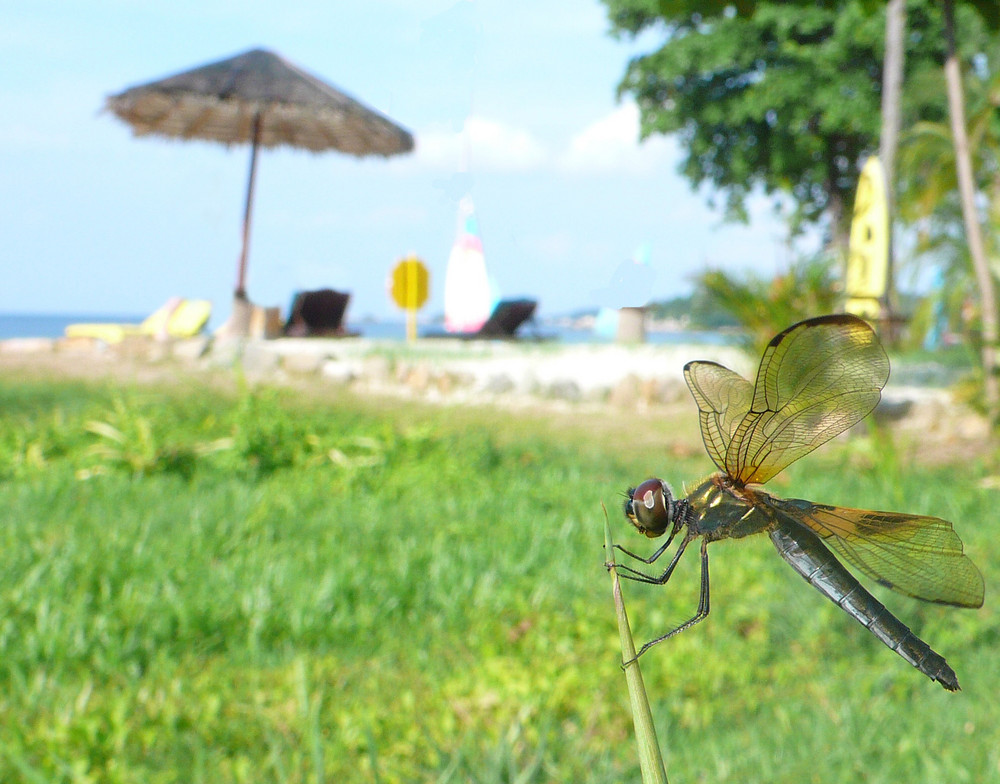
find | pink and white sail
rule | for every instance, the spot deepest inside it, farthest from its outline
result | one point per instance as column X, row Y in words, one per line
column 468, row 295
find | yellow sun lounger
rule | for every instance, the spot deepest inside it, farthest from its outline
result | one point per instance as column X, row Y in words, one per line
column 178, row 318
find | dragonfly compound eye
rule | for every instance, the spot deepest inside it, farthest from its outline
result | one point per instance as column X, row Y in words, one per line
column 650, row 507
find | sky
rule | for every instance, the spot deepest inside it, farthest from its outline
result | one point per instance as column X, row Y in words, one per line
column 95, row 221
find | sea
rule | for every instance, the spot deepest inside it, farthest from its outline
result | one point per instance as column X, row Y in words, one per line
column 48, row 325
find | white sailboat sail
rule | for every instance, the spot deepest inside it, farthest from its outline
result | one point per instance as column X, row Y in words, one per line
column 468, row 296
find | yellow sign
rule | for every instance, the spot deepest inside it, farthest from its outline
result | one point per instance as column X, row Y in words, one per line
column 868, row 254
column 409, row 288
column 410, row 281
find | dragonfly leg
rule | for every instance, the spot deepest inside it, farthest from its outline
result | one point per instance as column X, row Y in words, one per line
column 629, row 573
column 700, row 615
column 659, row 551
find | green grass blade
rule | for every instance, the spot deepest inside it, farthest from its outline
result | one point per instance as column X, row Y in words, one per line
column 650, row 759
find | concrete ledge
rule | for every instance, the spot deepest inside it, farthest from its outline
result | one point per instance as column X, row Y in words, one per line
column 628, row 378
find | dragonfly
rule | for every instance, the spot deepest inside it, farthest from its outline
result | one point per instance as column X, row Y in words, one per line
column 816, row 379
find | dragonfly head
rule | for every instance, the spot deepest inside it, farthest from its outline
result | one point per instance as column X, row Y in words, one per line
column 650, row 507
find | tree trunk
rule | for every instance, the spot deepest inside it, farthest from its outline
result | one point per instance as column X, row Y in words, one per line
column 973, row 230
column 840, row 227
column 892, row 90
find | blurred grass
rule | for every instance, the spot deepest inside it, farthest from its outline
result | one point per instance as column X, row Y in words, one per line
column 270, row 586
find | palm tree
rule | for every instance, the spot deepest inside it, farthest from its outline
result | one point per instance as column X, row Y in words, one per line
column 892, row 110
column 973, row 230
column 764, row 307
column 931, row 194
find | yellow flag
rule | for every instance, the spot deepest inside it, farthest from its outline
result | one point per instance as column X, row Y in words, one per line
column 868, row 254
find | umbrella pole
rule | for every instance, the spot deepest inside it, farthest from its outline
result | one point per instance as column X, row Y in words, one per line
column 241, row 275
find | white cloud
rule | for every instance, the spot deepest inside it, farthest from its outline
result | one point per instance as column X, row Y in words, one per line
column 482, row 145
column 611, row 145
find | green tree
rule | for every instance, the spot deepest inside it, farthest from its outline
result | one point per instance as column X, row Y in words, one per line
column 783, row 97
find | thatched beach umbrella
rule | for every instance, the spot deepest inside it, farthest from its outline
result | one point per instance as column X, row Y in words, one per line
column 261, row 99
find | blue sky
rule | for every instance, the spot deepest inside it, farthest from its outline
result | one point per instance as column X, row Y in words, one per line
column 96, row 221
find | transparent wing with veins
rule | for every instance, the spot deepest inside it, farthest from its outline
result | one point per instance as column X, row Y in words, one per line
column 815, row 380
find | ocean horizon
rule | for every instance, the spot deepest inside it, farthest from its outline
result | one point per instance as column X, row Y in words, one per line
column 53, row 325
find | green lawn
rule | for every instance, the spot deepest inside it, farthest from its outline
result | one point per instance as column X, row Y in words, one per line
column 263, row 586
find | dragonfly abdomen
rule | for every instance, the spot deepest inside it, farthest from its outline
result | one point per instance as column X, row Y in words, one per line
column 874, row 615
column 807, row 555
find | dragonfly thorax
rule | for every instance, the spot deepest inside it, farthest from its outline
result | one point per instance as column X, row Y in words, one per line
column 652, row 509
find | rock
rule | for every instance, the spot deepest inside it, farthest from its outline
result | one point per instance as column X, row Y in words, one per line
column 446, row 384
column 258, row 360
column 340, row 372
column 564, row 390
column 673, row 391
column 303, row 364
column 225, row 352
column 77, row 345
column 376, row 369
column 652, row 391
column 191, row 349
column 28, row 345
column 157, row 351
column 499, row 384
column 403, row 370
column 971, row 426
column 625, row 394
column 135, row 347
column 419, row 378
column 889, row 410
column 462, row 379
